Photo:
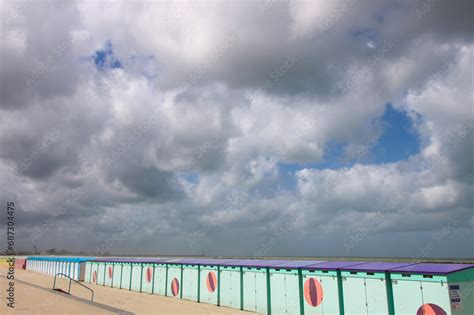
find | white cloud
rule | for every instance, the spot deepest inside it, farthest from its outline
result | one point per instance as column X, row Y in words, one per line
column 215, row 98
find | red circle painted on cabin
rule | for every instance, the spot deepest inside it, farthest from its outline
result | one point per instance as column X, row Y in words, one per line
column 94, row 276
column 111, row 273
column 430, row 309
column 149, row 274
column 211, row 281
column 175, row 287
column 313, row 292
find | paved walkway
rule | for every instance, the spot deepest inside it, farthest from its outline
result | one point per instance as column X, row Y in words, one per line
column 33, row 295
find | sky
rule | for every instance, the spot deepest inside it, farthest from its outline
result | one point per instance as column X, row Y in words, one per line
column 239, row 128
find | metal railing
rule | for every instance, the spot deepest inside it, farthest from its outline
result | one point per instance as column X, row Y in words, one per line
column 70, row 280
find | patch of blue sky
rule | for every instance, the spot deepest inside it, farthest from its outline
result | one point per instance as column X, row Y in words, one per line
column 398, row 141
column 105, row 58
column 190, row 177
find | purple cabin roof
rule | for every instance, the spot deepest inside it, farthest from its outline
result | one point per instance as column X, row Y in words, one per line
column 263, row 263
column 394, row 267
column 376, row 266
column 175, row 260
column 202, row 261
column 432, row 268
column 333, row 265
column 257, row 263
column 179, row 261
column 130, row 260
column 290, row 264
column 214, row 262
column 232, row 262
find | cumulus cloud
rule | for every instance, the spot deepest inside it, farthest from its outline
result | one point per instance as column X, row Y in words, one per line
column 216, row 124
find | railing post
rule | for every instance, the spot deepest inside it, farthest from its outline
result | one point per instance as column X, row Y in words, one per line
column 69, row 290
column 199, row 284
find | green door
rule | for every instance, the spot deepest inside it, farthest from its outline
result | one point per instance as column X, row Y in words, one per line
column 117, row 275
column 208, row 286
column 87, row 275
column 147, row 278
column 190, row 282
column 311, row 298
column 419, row 294
column 56, row 267
column 437, row 295
column 277, row 285
column 285, row 292
column 292, row 290
column 250, row 290
column 330, row 301
column 136, row 277
column 109, row 274
column 61, row 267
column 159, row 282
column 255, row 289
column 355, row 302
column 174, row 281
column 235, row 292
column 407, row 297
column 94, row 268
column 320, row 292
column 230, row 287
column 225, row 286
column 376, row 290
column 101, row 274
column 126, row 272
column 261, row 291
